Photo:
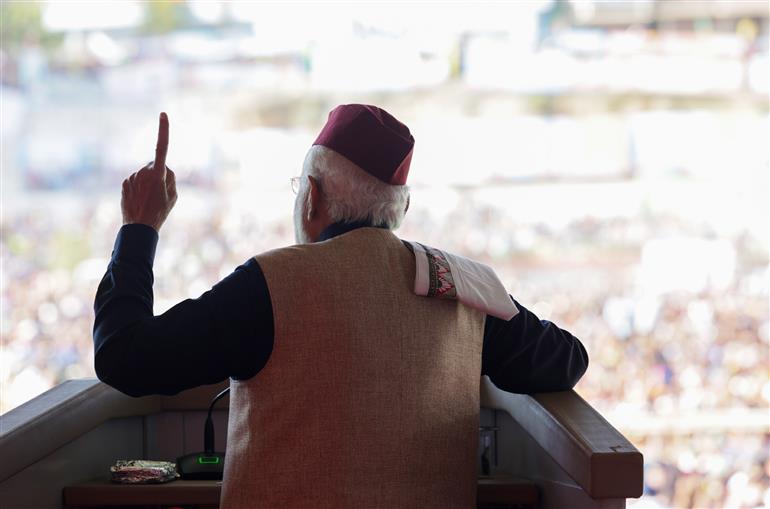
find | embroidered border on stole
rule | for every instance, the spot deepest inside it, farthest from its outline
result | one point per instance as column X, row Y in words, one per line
column 441, row 283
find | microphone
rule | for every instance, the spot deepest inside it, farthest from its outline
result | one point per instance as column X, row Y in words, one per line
column 207, row 464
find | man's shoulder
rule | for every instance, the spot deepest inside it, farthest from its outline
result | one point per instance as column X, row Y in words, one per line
column 350, row 243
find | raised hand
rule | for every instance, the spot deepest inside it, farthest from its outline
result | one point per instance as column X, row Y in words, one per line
column 150, row 193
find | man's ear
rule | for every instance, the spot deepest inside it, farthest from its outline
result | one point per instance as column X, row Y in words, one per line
column 314, row 197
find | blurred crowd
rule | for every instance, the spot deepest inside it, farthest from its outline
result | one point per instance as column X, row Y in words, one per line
column 608, row 159
column 692, row 394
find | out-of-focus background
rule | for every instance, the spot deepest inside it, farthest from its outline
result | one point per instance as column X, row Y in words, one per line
column 609, row 159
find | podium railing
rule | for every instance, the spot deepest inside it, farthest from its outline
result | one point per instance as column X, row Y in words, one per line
column 76, row 430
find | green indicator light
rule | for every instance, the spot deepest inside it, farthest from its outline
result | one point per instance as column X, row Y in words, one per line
column 208, row 460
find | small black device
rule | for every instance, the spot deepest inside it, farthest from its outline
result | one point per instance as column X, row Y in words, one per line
column 207, row 464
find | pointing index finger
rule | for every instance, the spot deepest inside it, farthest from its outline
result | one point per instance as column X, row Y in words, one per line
column 162, row 147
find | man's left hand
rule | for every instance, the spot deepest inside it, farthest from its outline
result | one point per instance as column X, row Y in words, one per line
column 149, row 194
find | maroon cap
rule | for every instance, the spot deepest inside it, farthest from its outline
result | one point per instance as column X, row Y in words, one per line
column 371, row 138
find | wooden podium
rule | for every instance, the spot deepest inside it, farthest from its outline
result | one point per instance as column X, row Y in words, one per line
column 492, row 492
column 548, row 450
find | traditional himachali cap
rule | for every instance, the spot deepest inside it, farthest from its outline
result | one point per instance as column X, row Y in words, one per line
column 372, row 139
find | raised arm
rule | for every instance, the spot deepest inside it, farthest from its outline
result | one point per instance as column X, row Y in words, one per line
column 226, row 332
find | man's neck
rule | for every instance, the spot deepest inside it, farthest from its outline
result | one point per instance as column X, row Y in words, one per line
column 336, row 229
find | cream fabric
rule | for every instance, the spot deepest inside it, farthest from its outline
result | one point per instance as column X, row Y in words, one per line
column 371, row 394
column 449, row 276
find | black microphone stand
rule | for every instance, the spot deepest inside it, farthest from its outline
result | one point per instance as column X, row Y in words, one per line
column 207, row 464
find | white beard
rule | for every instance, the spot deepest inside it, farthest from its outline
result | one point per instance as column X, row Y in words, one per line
column 300, row 235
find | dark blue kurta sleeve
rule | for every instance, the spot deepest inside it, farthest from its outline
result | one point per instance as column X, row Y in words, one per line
column 528, row 355
column 226, row 332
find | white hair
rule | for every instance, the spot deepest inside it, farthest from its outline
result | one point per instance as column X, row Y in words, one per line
column 351, row 193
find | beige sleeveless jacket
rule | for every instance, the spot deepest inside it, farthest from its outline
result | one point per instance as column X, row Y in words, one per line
column 370, row 397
